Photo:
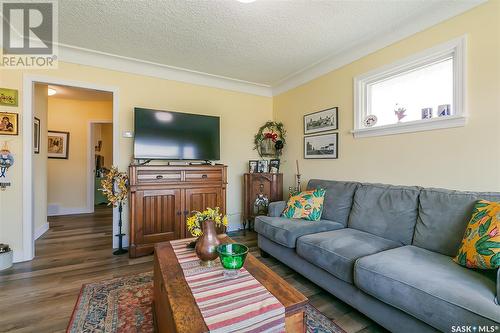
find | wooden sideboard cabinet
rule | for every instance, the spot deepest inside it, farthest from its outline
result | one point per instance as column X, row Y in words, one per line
column 269, row 184
column 162, row 197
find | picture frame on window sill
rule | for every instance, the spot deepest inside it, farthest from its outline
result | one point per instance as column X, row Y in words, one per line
column 321, row 121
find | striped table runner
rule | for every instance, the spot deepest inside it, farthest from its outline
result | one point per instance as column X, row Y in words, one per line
column 241, row 304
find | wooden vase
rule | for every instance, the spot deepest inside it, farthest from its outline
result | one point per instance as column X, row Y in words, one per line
column 206, row 246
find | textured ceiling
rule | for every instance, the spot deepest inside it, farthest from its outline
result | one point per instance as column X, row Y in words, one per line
column 66, row 92
column 263, row 42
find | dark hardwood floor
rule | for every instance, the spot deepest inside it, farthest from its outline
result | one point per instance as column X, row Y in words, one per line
column 39, row 296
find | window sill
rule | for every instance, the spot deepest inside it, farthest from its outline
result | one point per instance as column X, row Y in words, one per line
column 411, row 126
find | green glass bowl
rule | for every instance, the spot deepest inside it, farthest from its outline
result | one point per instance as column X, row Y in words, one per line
column 232, row 255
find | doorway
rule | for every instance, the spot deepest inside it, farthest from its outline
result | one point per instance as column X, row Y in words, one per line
column 100, row 160
column 29, row 196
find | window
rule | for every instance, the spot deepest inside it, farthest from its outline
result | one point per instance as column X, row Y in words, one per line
column 423, row 92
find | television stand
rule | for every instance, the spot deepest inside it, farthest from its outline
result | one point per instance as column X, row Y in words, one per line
column 162, row 197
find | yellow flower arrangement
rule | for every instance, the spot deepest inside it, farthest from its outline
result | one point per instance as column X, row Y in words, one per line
column 118, row 195
column 194, row 222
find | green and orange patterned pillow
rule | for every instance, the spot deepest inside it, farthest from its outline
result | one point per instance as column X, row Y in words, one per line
column 307, row 205
column 480, row 246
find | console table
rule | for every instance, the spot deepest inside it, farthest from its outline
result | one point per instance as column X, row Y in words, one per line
column 162, row 197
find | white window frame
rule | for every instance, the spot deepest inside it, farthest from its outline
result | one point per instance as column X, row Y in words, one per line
column 456, row 49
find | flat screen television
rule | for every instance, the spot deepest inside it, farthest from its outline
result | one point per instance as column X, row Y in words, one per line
column 165, row 135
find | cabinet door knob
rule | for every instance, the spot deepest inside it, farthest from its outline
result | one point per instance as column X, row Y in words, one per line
column 178, row 213
column 204, row 176
column 186, row 212
column 159, row 177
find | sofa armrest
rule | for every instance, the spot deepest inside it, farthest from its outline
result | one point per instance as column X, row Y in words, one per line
column 497, row 299
column 276, row 208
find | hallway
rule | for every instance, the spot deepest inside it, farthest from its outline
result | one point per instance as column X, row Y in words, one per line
column 76, row 249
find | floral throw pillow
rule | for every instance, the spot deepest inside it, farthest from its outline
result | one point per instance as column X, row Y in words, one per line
column 307, row 205
column 481, row 243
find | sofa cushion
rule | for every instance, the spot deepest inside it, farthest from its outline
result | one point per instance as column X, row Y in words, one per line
column 429, row 286
column 338, row 198
column 443, row 217
column 336, row 251
column 286, row 231
column 386, row 211
column 481, row 243
column 307, row 205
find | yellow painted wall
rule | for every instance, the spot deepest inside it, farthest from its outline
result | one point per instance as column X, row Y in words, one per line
column 460, row 158
column 241, row 115
column 68, row 178
column 40, row 160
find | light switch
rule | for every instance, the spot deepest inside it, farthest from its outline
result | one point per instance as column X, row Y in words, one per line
column 128, row 134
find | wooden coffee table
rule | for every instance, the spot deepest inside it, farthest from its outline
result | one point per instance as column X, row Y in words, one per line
column 175, row 309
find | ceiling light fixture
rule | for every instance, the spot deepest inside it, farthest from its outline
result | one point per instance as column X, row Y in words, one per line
column 51, row 92
column 246, row 1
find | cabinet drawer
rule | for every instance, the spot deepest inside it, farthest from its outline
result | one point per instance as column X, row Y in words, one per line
column 203, row 175
column 158, row 176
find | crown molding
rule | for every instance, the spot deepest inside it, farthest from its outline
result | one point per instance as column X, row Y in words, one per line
column 82, row 56
column 363, row 48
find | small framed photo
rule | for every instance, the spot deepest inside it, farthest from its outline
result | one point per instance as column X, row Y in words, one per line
column 253, row 166
column 9, row 97
column 36, row 135
column 9, row 123
column 321, row 121
column 58, row 144
column 426, row 113
column 444, row 110
column 323, row 146
column 263, row 166
column 274, row 166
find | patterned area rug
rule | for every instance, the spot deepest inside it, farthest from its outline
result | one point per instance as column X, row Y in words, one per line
column 125, row 305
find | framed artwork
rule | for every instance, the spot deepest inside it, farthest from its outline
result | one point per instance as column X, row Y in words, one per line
column 321, row 121
column 274, row 165
column 8, row 97
column 58, row 144
column 9, row 123
column 253, row 166
column 323, row 146
column 36, row 136
column 263, row 166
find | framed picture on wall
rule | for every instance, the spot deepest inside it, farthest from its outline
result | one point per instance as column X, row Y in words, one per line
column 36, row 135
column 323, row 146
column 321, row 121
column 58, row 144
column 9, row 123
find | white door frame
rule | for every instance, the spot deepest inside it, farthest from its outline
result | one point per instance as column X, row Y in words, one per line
column 27, row 122
column 91, row 162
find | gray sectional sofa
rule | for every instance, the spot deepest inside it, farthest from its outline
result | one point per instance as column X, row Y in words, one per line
column 387, row 251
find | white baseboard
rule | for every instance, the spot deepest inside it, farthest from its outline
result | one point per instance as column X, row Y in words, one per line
column 41, row 230
column 18, row 257
column 55, row 210
column 234, row 222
